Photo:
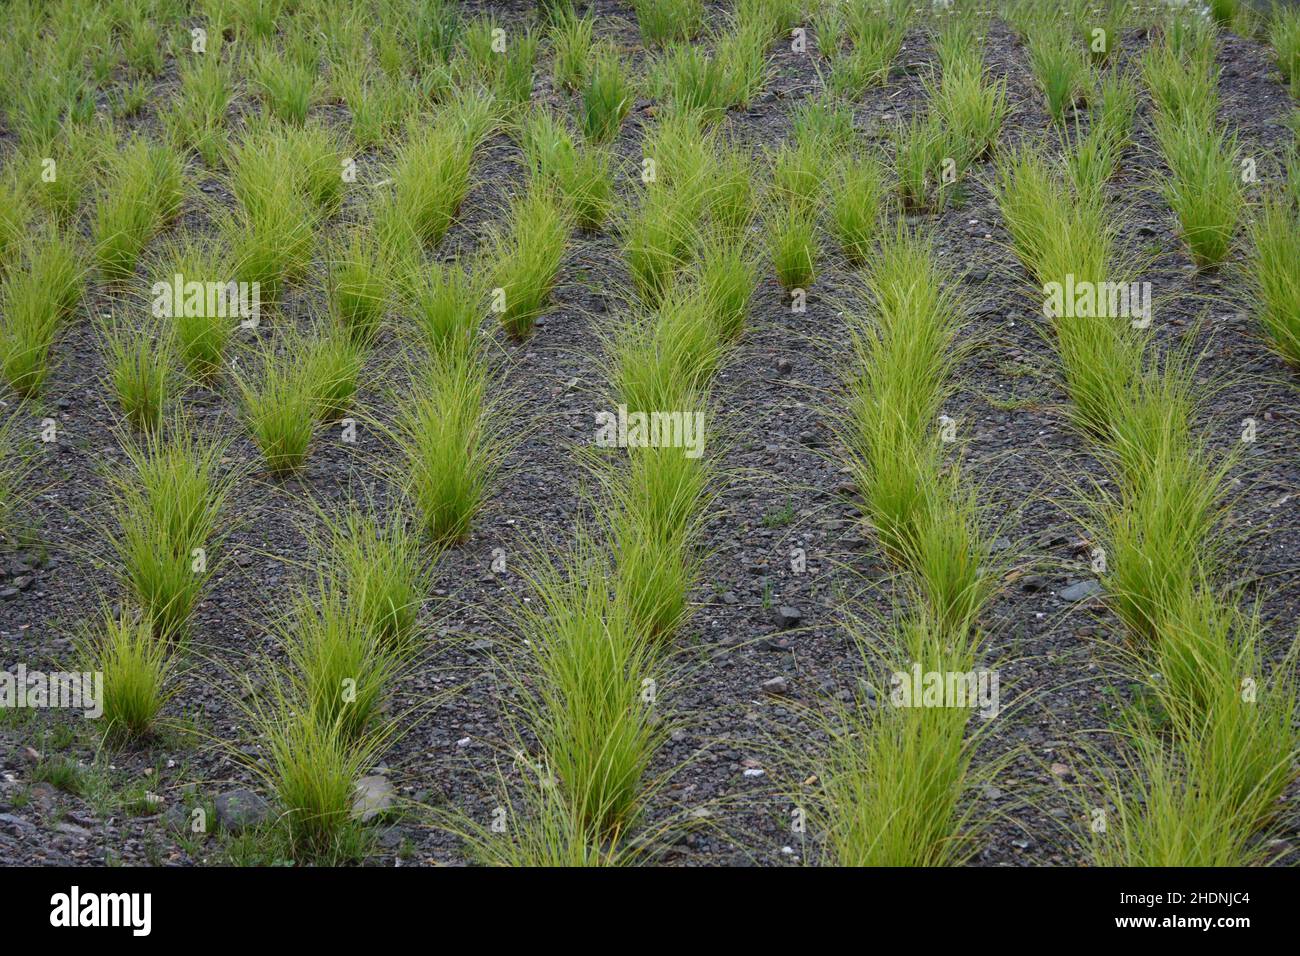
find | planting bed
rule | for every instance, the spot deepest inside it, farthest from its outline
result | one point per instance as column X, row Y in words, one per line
column 752, row 681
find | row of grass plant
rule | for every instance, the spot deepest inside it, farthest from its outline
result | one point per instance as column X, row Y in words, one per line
column 1162, row 527
column 600, row 629
column 895, row 785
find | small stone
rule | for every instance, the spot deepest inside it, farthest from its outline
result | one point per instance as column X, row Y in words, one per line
column 15, row 825
column 1033, row 582
column 1062, row 771
column 776, row 686
column 374, row 796
column 177, row 818
column 43, row 795
column 240, row 809
column 1080, row 590
column 787, row 616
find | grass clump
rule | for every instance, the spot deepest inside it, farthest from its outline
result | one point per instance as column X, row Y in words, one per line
column 330, row 364
column 895, row 783
column 68, row 169
column 857, row 200
column 1181, row 85
column 925, row 153
column 1058, row 235
column 502, row 63
column 526, row 259
column 201, row 335
column 607, row 96
column 580, row 175
column 726, row 280
column 138, row 670
column 340, row 668
column 168, row 506
column 431, row 176
column 1204, row 188
column 1096, row 154
column 572, row 40
column 655, row 524
column 1273, row 268
column 143, row 192
column 358, row 288
column 311, row 768
column 687, row 80
column 446, row 303
column 1163, row 521
column 800, row 172
column 384, row 572
column 286, row 86
column 662, row 21
column 741, row 52
column 664, row 358
column 140, row 372
column 197, row 117
column 280, row 406
column 972, row 108
column 451, row 447
column 1284, row 37
column 271, row 233
column 35, row 302
column 377, row 102
column 876, row 37
column 595, row 729
column 824, row 120
column 1061, row 68
column 1204, row 792
column 794, row 246
column 904, row 356
column 659, row 239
